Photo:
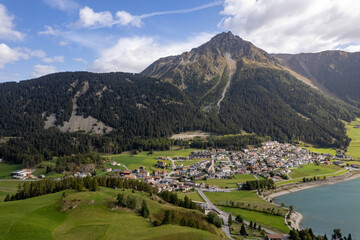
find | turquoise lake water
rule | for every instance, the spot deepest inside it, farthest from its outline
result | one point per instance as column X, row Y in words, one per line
column 328, row 207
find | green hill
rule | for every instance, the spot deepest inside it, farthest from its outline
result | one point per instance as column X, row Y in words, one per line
column 93, row 215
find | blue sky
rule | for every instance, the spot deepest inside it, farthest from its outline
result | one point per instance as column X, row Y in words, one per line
column 38, row 37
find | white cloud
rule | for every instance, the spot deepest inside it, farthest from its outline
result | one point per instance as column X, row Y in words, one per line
column 9, row 55
column 89, row 18
column 35, row 53
column 294, row 26
column 49, row 31
column 63, row 5
column 7, row 31
column 136, row 53
column 41, row 70
column 125, row 18
column 54, row 59
column 80, row 60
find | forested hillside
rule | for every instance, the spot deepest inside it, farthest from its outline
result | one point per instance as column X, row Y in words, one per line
column 335, row 72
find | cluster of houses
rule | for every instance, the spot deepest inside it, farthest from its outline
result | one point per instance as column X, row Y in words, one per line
column 272, row 160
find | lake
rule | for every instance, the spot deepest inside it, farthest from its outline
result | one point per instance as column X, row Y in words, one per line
column 328, row 207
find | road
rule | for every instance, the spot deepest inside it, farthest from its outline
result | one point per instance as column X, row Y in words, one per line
column 225, row 216
column 173, row 167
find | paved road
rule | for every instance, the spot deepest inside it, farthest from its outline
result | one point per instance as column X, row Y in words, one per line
column 173, row 167
column 223, row 215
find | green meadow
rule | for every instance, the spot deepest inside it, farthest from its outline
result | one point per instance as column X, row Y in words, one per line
column 354, row 133
column 229, row 183
column 276, row 223
column 193, row 195
column 313, row 170
column 90, row 215
column 133, row 161
column 7, row 168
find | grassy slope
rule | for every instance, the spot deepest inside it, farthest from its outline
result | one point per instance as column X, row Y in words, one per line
column 313, row 170
column 252, row 199
column 230, row 183
column 6, row 169
column 8, row 187
column 354, row 133
column 41, row 218
column 149, row 161
column 322, row 150
column 193, row 195
column 276, row 222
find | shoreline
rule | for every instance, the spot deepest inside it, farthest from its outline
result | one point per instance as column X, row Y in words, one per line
column 296, row 217
column 290, row 188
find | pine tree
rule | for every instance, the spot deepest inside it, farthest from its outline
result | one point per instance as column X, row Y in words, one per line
column 145, row 212
column 7, row 198
column 349, row 237
column 243, row 230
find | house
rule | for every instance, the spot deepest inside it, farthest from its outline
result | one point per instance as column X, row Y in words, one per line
column 126, row 172
column 22, row 174
column 130, row 177
column 275, row 237
column 113, row 163
column 162, row 173
column 108, row 169
column 143, row 174
column 161, row 164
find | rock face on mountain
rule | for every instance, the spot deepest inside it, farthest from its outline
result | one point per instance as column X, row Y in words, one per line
column 336, row 73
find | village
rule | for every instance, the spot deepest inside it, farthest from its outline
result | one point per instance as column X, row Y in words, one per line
column 273, row 160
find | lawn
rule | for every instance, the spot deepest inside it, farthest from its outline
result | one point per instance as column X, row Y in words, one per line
column 149, row 161
column 322, row 150
column 7, row 168
column 275, row 222
column 313, row 170
column 8, row 187
column 229, row 183
column 92, row 218
column 354, row 133
column 247, row 199
column 187, row 162
column 300, row 179
column 193, row 195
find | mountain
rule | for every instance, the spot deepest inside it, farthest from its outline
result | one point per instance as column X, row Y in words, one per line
column 203, row 73
column 241, row 87
column 336, row 73
column 225, row 86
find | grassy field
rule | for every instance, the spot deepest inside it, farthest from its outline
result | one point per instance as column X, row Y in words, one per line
column 249, row 200
column 144, row 159
column 275, row 222
column 193, row 195
column 6, row 169
column 322, row 150
column 341, row 172
column 313, row 170
column 91, row 216
column 8, row 187
column 229, row 183
column 188, row 162
column 354, row 133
